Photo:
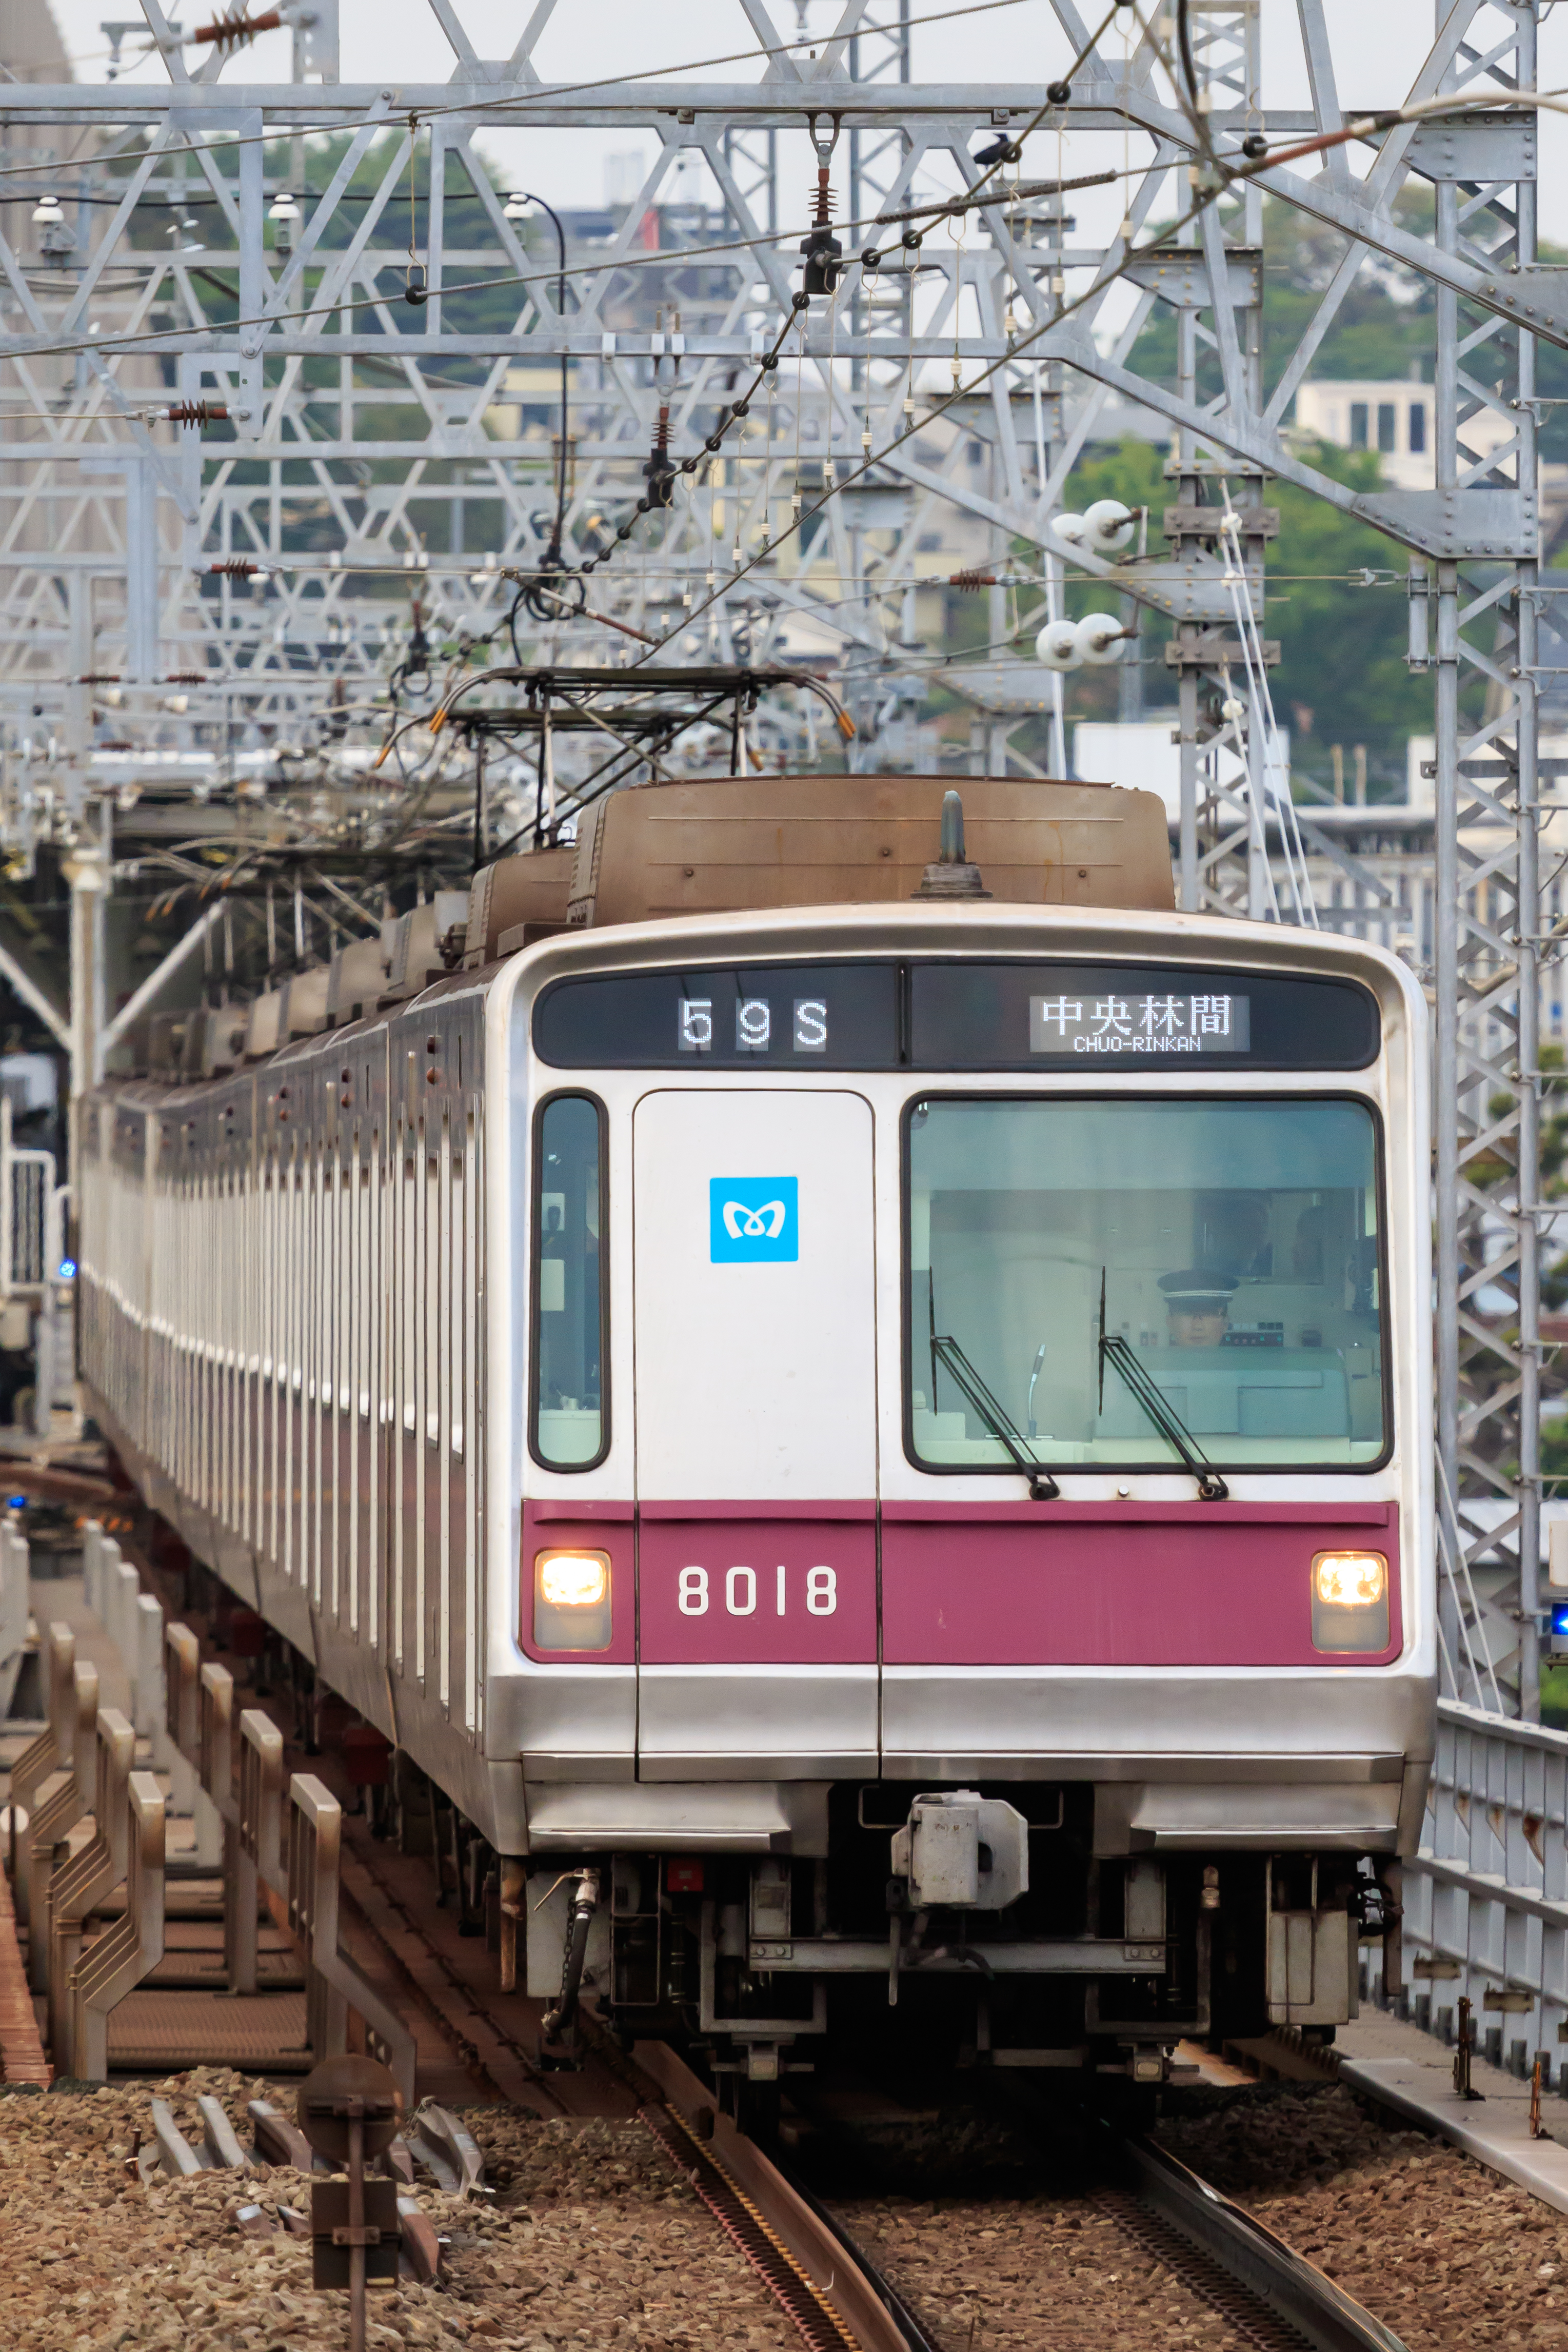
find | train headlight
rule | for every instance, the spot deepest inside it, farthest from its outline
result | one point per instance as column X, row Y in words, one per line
column 1350, row 1601
column 571, row 1601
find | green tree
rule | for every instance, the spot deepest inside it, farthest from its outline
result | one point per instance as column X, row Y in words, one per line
column 1342, row 676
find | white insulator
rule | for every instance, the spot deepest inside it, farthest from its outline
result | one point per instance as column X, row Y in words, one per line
column 1101, row 637
column 1069, row 529
column 1108, row 525
column 1231, row 708
column 1057, row 645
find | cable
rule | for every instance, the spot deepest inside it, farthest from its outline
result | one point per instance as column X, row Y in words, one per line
column 521, row 98
column 941, row 408
column 1256, row 164
column 1184, row 35
column 1253, row 168
column 1008, row 359
column 553, row 561
column 671, row 258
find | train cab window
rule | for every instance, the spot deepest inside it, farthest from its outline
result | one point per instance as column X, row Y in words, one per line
column 570, row 1423
column 1089, row 1281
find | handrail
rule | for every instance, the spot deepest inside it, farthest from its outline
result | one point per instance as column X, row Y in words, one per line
column 181, row 1689
column 1484, row 1906
column 261, row 1794
column 64, row 1806
column 215, row 1767
column 292, row 1837
column 92, row 1540
column 81, row 1883
column 173, row 1674
column 15, row 1571
column 123, row 1589
column 118, row 1960
column 215, row 1746
column 1543, row 1736
column 41, row 1757
column 335, row 1985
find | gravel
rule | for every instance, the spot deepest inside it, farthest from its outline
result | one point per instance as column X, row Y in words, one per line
column 1040, row 2276
column 590, row 2239
column 1443, row 2251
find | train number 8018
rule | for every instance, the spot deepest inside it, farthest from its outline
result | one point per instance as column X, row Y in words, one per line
column 740, row 1592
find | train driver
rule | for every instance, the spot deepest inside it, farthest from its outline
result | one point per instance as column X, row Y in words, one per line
column 1197, row 1304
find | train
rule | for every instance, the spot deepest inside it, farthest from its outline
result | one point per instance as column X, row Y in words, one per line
column 850, row 1385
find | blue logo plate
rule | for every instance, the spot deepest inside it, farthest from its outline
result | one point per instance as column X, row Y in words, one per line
column 754, row 1220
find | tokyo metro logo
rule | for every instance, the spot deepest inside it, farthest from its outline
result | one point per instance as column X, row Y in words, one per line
column 753, row 1220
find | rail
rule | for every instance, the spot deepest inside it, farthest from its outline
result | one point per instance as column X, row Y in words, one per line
column 1271, row 2298
column 1291, row 2290
column 781, row 2232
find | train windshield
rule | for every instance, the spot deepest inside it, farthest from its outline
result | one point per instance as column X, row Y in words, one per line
column 1131, row 1283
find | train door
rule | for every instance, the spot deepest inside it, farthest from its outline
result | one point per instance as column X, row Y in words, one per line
column 755, row 1434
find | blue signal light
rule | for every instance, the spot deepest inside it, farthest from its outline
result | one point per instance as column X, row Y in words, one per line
column 1559, row 1617
column 67, row 1269
column 16, row 1502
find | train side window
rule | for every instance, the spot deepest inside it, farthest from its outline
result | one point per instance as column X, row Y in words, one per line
column 571, row 1423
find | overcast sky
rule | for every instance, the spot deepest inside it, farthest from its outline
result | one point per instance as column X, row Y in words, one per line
column 400, row 42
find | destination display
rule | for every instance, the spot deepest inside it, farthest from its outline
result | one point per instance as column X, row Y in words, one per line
column 1126, row 1026
column 953, row 1015
column 1017, row 1016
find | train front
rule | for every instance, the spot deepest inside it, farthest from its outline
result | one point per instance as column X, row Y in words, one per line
column 973, row 1569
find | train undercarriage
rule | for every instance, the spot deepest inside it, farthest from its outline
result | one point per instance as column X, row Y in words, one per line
column 916, row 1932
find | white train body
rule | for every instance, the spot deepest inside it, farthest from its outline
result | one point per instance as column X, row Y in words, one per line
column 580, row 1366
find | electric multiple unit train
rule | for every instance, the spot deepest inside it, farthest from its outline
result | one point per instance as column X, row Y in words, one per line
column 882, row 1444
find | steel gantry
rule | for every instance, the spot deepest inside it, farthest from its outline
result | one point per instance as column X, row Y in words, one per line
column 301, row 409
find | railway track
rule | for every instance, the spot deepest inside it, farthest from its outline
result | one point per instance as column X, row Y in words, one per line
column 834, row 2292
column 1270, row 2297
column 1273, row 2298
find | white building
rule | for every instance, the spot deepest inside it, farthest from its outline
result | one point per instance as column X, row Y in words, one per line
column 1143, row 755
column 1396, row 419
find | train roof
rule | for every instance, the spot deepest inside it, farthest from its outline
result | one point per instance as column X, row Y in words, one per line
column 767, row 867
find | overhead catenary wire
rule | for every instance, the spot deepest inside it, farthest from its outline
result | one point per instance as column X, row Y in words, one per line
column 936, row 411
column 1067, row 308
column 534, row 95
column 1007, row 149
column 1253, row 168
column 661, row 257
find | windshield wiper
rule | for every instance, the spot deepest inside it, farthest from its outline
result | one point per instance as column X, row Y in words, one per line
column 1157, row 1406
column 1042, row 1486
